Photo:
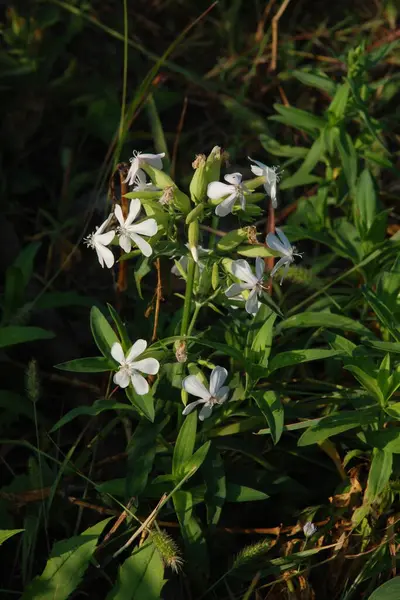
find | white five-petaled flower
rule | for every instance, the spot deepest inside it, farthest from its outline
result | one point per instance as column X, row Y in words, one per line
column 129, row 233
column 234, row 189
column 98, row 240
column 272, row 178
column 141, row 184
column 216, row 394
column 281, row 244
column 139, row 158
column 309, row 529
column 130, row 369
column 254, row 283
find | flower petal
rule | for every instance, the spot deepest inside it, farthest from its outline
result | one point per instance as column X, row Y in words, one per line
column 241, row 269
column 223, row 394
column 281, row 262
column 147, row 227
column 104, row 255
column 275, row 243
column 133, row 169
column 189, row 407
column 104, row 238
column 205, row 412
column 140, row 384
column 153, row 159
column 117, row 353
column 125, row 242
column 251, row 305
column 234, row 178
column 283, row 238
column 143, row 246
column 233, row 290
column 121, row 378
column 134, row 210
column 260, row 265
column 217, row 190
column 194, row 386
column 103, row 226
column 136, row 350
column 217, row 379
column 257, row 171
column 226, row 205
column 150, row 366
column 119, row 215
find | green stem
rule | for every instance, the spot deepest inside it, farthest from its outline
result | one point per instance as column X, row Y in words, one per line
column 188, row 296
column 213, row 237
column 194, row 318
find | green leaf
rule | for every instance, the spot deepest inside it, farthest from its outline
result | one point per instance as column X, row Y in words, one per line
column 262, row 342
column 141, row 453
column 231, row 240
column 253, row 250
column 367, row 381
column 338, row 105
column 122, row 332
column 323, row 319
column 388, row 591
column 102, row 332
column 385, row 439
column 196, row 549
column 272, row 409
column 296, row 357
column 15, row 334
column 242, row 493
column 317, row 80
column 94, row 364
column 144, row 404
column 13, row 293
column 314, row 155
column 214, row 477
column 382, row 311
column 196, row 460
column 184, row 445
column 141, row 576
column 379, row 474
column 348, row 157
column 299, row 119
column 66, row 566
column 365, row 205
column 91, row 411
column 24, row 261
column 276, row 149
column 7, row 533
column 334, row 424
column 298, row 179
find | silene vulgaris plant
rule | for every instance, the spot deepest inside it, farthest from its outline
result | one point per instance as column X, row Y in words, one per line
column 221, row 362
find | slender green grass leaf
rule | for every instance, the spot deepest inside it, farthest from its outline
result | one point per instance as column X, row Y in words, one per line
column 93, row 364
column 323, row 319
column 66, row 566
column 141, row 576
column 91, row 411
column 214, row 477
column 338, row 105
column 365, row 204
column 383, row 312
column 15, row 334
column 299, row 119
column 296, row 357
column 242, row 493
column 196, row 549
column 367, row 381
column 122, row 332
column 317, row 80
column 196, row 460
column 334, row 424
column 5, row 534
column 276, row 149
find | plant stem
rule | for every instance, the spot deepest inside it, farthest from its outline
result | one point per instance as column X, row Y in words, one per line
column 194, row 318
column 188, row 296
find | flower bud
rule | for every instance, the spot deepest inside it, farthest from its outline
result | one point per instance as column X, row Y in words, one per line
column 193, row 237
column 213, row 164
column 215, row 276
column 181, row 351
column 198, row 184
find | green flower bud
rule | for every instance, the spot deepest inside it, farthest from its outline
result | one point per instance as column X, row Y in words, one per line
column 193, row 237
column 215, row 276
column 198, row 185
column 213, row 164
column 195, row 214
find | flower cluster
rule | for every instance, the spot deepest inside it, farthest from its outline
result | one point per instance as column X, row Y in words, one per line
column 247, row 286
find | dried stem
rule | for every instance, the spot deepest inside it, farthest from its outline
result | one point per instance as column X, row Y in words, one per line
column 275, row 22
column 178, row 136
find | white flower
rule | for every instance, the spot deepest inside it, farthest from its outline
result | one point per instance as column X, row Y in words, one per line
column 216, row 394
column 141, row 184
column 137, row 159
column 184, row 260
column 128, row 371
column 281, row 244
column 309, row 529
column 235, row 191
column 272, row 177
column 129, row 233
column 99, row 240
column 254, row 283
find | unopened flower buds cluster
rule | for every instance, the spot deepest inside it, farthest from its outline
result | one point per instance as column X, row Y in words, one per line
column 165, row 203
